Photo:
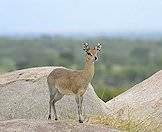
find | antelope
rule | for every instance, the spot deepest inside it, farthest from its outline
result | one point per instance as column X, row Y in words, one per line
column 63, row 81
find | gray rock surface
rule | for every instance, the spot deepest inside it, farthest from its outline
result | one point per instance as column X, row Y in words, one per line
column 24, row 94
column 50, row 126
column 142, row 104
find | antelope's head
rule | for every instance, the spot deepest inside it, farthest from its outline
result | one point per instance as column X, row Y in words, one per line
column 91, row 52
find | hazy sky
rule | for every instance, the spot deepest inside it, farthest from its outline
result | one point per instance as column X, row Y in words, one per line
column 85, row 16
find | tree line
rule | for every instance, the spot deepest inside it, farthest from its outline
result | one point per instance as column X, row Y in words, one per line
column 123, row 62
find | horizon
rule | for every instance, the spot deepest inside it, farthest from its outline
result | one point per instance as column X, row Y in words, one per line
column 127, row 35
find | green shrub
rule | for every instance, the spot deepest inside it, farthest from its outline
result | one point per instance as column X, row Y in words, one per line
column 106, row 93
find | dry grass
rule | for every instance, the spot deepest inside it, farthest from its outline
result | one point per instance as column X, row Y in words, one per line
column 112, row 122
column 129, row 124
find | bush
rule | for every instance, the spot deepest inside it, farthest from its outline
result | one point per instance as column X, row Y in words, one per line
column 106, row 93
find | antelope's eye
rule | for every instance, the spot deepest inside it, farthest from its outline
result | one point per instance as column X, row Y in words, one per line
column 89, row 54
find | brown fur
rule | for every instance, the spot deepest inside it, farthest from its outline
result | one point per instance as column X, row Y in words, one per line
column 63, row 81
column 69, row 81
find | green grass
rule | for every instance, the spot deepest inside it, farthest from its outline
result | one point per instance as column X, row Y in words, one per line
column 106, row 93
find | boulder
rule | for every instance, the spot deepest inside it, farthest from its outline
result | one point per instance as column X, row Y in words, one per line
column 24, row 125
column 141, row 105
column 24, row 94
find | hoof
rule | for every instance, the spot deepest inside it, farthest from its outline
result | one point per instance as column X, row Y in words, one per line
column 49, row 117
column 80, row 121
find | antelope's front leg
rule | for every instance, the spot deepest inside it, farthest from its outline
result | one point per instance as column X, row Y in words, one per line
column 79, row 100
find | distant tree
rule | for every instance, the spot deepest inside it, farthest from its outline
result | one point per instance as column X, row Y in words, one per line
column 141, row 54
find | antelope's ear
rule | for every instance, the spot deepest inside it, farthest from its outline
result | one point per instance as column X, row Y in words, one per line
column 98, row 46
column 85, row 47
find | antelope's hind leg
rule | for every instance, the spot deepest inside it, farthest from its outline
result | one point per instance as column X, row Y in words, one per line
column 50, row 104
column 53, row 92
column 56, row 98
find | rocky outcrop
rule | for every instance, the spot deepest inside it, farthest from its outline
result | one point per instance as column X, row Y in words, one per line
column 23, row 125
column 24, row 94
column 142, row 104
